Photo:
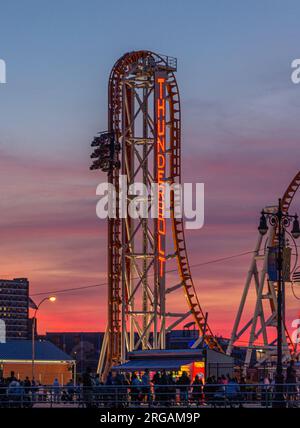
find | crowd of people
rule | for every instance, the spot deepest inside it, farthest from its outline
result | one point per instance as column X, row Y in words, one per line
column 162, row 388
column 168, row 389
column 25, row 393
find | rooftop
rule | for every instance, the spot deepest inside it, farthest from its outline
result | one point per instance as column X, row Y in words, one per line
column 20, row 350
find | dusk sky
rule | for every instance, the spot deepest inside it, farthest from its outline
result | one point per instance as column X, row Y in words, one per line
column 241, row 128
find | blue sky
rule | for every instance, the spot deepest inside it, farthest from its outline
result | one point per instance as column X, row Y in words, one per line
column 59, row 55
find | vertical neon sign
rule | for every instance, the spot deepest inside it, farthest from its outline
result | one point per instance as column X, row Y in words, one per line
column 160, row 113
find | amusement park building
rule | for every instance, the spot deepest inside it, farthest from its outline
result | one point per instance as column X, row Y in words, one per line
column 205, row 362
column 50, row 362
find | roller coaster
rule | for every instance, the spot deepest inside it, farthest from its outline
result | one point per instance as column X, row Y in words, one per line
column 143, row 143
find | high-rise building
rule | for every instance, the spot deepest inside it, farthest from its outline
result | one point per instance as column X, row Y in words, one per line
column 14, row 307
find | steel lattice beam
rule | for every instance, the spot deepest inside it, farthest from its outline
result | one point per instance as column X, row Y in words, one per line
column 143, row 103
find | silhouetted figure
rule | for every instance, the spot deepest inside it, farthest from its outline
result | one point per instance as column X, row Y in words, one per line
column 233, row 392
column 135, row 389
column 87, row 385
column 291, row 380
column 164, row 389
column 156, row 382
column 56, row 391
column 172, row 387
column 184, row 384
column 146, row 386
column 197, row 390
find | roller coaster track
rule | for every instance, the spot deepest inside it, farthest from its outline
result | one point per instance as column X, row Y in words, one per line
column 290, row 192
column 178, row 228
column 116, row 125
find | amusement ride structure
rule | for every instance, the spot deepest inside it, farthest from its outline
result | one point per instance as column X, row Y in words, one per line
column 259, row 329
column 148, row 265
column 143, row 144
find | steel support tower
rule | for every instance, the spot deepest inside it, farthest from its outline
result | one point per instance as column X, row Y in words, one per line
column 147, row 258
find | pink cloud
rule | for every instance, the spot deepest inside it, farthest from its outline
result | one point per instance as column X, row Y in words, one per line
column 50, row 233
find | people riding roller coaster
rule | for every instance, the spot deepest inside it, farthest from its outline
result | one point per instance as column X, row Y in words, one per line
column 143, row 142
column 106, row 151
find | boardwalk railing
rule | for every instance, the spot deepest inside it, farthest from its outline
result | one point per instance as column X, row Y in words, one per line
column 213, row 395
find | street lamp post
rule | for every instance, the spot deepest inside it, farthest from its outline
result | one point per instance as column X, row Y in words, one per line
column 50, row 299
column 281, row 221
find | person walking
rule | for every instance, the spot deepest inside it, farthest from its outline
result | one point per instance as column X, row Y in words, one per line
column 56, row 391
column 27, row 390
column 34, row 389
column 233, row 392
column 164, row 388
column 291, row 381
column 146, row 386
column 87, row 386
column 197, row 390
column 135, row 389
column 184, row 386
column 13, row 392
column 156, row 382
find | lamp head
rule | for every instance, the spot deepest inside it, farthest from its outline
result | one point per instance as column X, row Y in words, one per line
column 263, row 227
column 296, row 229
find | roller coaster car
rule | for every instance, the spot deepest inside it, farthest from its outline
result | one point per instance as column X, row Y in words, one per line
column 95, row 165
column 95, row 154
column 96, row 142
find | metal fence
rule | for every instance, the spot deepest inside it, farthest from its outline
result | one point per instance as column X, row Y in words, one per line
column 114, row 396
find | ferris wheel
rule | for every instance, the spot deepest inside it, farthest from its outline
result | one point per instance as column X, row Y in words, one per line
column 258, row 331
